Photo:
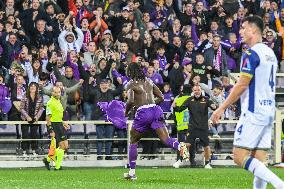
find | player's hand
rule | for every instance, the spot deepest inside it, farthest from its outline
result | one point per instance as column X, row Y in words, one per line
column 215, row 117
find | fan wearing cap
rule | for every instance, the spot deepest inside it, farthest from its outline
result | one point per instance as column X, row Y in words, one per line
column 92, row 77
column 103, row 94
column 67, row 40
column 116, row 22
column 107, row 42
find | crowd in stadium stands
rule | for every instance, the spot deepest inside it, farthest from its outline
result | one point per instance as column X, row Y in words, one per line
column 84, row 47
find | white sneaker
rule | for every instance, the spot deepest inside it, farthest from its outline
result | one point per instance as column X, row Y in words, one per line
column 177, row 164
column 129, row 177
column 208, row 166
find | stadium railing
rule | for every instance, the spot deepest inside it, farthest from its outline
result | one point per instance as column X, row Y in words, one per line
column 276, row 149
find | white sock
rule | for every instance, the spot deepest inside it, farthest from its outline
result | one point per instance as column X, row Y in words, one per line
column 259, row 183
column 131, row 172
column 260, row 170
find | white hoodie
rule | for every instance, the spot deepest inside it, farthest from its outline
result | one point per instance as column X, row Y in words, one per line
column 75, row 45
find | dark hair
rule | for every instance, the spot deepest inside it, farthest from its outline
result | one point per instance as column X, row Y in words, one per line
column 135, row 72
column 84, row 18
column 43, row 76
column 218, row 86
column 186, row 89
column 28, row 90
column 256, row 20
column 40, row 67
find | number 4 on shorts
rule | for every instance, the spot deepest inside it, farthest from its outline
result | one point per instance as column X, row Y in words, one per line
column 239, row 130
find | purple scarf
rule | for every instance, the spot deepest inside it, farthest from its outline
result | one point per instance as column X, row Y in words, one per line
column 217, row 61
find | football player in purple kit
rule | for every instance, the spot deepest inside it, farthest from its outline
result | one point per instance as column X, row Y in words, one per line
column 143, row 97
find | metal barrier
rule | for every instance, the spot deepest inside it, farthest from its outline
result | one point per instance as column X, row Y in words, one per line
column 277, row 132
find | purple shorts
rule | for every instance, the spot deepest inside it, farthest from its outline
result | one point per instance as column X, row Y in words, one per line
column 148, row 117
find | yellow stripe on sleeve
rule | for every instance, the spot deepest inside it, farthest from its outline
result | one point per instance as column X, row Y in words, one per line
column 246, row 74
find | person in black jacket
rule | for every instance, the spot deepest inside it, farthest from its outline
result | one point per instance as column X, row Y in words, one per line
column 91, row 81
column 103, row 94
column 198, row 111
column 40, row 36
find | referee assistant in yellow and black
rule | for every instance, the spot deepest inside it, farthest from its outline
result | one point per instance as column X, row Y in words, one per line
column 56, row 127
column 198, row 128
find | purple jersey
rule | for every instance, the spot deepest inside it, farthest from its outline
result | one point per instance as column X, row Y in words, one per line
column 148, row 117
column 5, row 102
column 167, row 103
column 114, row 112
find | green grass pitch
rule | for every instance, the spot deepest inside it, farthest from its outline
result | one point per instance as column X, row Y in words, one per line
column 111, row 178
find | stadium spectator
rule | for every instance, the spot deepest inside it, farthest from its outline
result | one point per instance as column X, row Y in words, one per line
column 67, row 40
column 31, row 109
column 5, row 101
column 103, row 94
column 216, row 56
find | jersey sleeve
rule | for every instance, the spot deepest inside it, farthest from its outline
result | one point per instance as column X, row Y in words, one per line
column 250, row 61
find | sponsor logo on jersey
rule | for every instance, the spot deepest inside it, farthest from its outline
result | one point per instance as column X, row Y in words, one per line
column 246, row 64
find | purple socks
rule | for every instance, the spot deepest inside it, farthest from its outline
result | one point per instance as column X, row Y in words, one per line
column 132, row 155
column 173, row 143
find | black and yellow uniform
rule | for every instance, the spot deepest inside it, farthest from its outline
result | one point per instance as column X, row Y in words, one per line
column 198, row 113
column 55, row 110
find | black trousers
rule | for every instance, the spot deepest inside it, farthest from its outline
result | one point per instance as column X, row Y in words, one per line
column 29, row 132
